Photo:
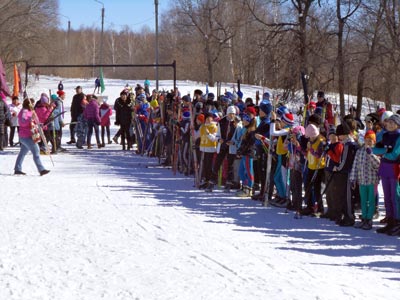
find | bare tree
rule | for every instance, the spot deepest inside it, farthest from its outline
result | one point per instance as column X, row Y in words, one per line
column 350, row 8
column 296, row 24
column 23, row 30
column 390, row 67
column 206, row 16
column 369, row 33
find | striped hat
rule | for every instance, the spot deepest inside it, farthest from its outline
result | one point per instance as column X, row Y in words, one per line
column 288, row 119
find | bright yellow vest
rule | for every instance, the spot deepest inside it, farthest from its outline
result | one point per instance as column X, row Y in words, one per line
column 207, row 145
column 313, row 162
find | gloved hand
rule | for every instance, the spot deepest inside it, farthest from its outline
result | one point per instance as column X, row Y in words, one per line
column 143, row 118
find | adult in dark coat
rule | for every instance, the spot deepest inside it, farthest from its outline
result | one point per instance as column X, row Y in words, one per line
column 3, row 117
column 123, row 117
column 76, row 111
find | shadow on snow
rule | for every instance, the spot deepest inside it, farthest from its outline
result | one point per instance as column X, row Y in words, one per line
column 308, row 235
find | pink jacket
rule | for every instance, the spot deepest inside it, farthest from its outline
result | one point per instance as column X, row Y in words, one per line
column 24, row 121
column 43, row 112
column 91, row 111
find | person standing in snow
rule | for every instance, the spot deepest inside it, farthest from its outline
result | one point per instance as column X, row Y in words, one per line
column 247, row 151
column 365, row 173
column 76, row 111
column 147, row 87
column 226, row 129
column 92, row 117
column 25, row 119
column 208, row 146
column 97, row 85
column 260, row 165
column 15, row 107
column 342, row 171
column 60, row 86
column 315, row 164
column 389, row 172
column 326, row 107
column 123, row 117
column 3, row 117
column 59, row 120
column 43, row 110
column 333, row 154
column 105, row 114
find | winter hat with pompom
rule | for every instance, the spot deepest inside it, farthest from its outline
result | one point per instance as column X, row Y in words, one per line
column 288, row 119
column 370, row 134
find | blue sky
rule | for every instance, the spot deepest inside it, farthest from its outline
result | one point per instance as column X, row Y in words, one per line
column 134, row 13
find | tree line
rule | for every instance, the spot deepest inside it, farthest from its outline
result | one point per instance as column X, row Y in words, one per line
column 343, row 46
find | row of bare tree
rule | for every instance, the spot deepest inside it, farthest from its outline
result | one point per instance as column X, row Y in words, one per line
column 344, row 46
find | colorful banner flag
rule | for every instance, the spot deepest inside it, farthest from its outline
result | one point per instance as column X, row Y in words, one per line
column 17, row 82
column 102, row 81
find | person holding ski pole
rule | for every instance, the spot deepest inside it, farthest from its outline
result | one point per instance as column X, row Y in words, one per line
column 342, row 184
column 263, row 128
column 25, row 120
column 333, row 153
column 315, row 170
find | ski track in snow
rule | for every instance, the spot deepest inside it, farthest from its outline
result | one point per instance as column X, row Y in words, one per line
column 102, row 225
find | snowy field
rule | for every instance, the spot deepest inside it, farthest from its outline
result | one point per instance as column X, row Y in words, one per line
column 108, row 224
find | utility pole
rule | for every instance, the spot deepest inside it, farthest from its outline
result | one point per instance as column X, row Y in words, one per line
column 102, row 32
column 156, row 12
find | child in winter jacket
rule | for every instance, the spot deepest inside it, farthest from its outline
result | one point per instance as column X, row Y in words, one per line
column 315, row 169
column 105, row 114
column 342, row 188
column 365, row 173
column 43, row 110
column 208, row 147
column 247, row 151
column 184, row 127
column 286, row 121
column 295, row 167
column 333, row 154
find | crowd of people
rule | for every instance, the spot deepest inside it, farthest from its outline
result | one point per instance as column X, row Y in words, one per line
column 256, row 146
column 288, row 160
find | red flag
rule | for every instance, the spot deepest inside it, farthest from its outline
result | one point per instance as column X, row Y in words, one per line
column 17, row 81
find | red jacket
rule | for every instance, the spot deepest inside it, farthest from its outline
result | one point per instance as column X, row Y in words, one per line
column 105, row 114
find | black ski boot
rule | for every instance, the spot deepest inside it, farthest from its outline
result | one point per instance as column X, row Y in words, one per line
column 209, row 188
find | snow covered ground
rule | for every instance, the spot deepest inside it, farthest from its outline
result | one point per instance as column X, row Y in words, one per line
column 108, row 224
